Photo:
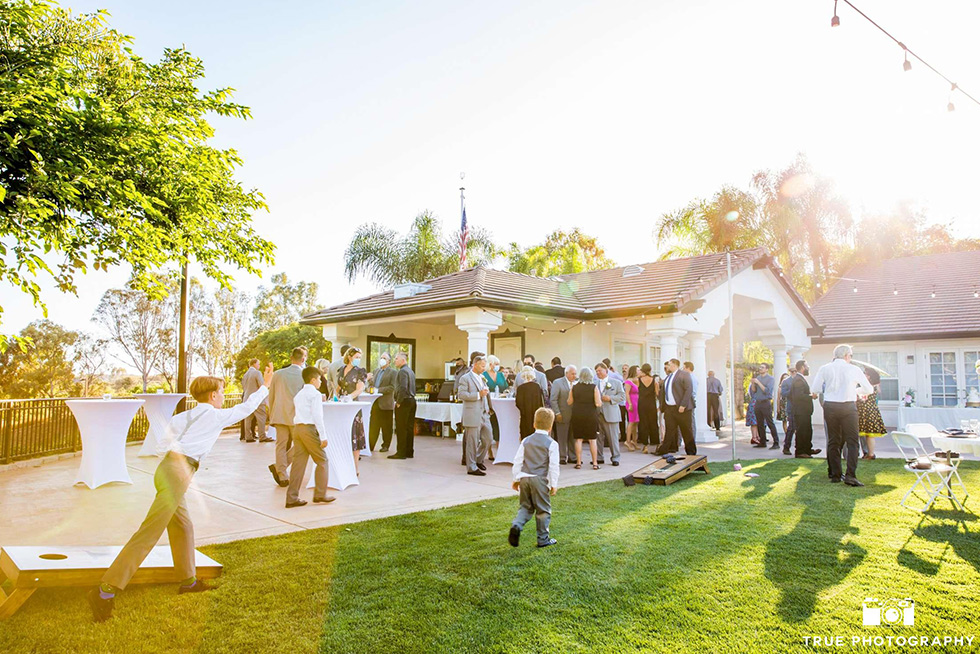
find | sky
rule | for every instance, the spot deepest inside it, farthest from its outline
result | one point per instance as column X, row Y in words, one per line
column 601, row 115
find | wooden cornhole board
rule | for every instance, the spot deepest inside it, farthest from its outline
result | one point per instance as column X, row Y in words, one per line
column 30, row 568
column 664, row 474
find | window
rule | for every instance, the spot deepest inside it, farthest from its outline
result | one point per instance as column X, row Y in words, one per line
column 378, row 344
column 654, row 359
column 942, row 378
column 887, row 361
column 628, row 353
column 969, row 362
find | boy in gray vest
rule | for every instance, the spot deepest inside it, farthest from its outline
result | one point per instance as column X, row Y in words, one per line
column 536, row 477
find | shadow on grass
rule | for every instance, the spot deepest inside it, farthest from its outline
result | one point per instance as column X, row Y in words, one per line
column 944, row 527
column 823, row 531
column 761, row 486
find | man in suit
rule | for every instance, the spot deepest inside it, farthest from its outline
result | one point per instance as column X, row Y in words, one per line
column 286, row 383
column 462, row 369
column 679, row 407
column 539, row 376
column 255, row 423
column 714, row 389
column 801, row 402
column 555, row 372
column 613, row 393
column 383, row 409
column 561, row 390
column 404, row 408
column 459, row 370
column 477, row 432
column 622, row 407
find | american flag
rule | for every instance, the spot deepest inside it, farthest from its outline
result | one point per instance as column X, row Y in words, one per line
column 464, row 235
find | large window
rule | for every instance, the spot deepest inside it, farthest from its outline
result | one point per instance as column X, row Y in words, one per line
column 887, row 361
column 969, row 362
column 628, row 353
column 654, row 359
column 378, row 344
column 942, row 378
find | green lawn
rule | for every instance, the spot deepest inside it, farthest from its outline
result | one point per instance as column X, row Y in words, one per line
column 722, row 563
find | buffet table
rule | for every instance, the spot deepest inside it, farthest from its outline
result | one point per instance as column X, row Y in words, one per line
column 103, row 425
column 445, row 412
column 159, row 409
column 937, row 416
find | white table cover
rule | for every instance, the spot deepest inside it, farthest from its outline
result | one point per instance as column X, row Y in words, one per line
column 367, row 398
column 451, row 412
column 961, row 445
column 159, row 409
column 939, row 417
column 103, row 425
column 509, row 421
column 338, row 418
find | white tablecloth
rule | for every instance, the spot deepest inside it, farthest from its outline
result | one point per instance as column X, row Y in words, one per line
column 103, row 425
column 961, row 445
column 509, row 420
column 451, row 412
column 338, row 418
column 939, row 417
column 159, row 409
column 367, row 398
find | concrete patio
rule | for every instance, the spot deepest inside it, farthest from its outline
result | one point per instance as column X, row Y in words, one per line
column 233, row 496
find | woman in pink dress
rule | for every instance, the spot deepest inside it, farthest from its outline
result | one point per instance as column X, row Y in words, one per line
column 632, row 407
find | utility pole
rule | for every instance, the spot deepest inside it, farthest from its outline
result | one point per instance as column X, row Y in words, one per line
column 185, row 284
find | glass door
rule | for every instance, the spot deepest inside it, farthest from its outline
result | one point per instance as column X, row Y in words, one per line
column 943, row 378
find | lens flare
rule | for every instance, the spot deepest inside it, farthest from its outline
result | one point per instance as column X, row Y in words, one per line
column 731, row 216
column 795, row 186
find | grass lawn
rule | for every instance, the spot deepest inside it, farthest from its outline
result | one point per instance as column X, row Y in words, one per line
column 722, row 563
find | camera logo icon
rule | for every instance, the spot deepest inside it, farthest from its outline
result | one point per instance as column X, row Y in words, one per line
column 888, row 612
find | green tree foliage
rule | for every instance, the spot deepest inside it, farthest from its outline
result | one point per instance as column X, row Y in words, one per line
column 561, row 253
column 45, row 368
column 221, row 331
column 729, row 220
column 276, row 345
column 105, row 158
column 387, row 258
column 283, row 304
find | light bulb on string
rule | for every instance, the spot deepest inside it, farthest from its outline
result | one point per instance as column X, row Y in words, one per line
column 933, row 294
column 895, row 291
column 907, row 66
column 835, row 21
column 608, row 322
column 951, row 106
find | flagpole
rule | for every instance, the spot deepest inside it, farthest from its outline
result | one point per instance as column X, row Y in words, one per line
column 462, row 213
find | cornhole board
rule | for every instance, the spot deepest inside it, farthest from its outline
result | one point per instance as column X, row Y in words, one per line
column 664, row 474
column 30, row 568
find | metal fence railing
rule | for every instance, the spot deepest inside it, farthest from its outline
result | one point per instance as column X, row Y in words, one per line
column 30, row 429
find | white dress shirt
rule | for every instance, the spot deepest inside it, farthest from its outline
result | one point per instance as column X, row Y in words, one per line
column 840, row 381
column 309, row 409
column 553, row 464
column 193, row 433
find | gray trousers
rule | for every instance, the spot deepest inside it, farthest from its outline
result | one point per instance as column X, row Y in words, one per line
column 167, row 513
column 284, row 449
column 306, row 444
column 255, row 424
column 608, row 437
column 476, row 442
column 564, row 449
column 535, row 501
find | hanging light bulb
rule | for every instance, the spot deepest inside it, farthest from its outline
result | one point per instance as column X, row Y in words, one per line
column 818, row 284
column 835, row 21
column 933, row 294
column 976, row 293
column 555, row 321
column 895, row 291
column 951, row 106
column 643, row 315
column 542, row 332
column 907, row 66
column 608, row 322
column 525, row 318
column 855, row 287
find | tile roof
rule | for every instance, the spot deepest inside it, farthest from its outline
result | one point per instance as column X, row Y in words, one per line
column 875, row 312
column 596, row 294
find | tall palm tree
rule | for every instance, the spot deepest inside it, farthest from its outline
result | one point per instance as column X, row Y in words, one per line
column 388, row 258
column 729, row 220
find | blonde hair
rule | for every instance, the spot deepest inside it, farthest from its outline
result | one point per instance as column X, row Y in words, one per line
column 322, row 365
column 544, row 418
column 527, row 374
column 202, row 387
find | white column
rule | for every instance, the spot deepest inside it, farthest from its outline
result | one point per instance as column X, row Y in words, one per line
column 338, row 336
column 702, row 434
column 668, row 345
column 779, row 362
column 477, row 323
column 795, row 354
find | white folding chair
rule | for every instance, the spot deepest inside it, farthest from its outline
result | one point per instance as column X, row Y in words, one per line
column 925, row 430
column 921, row 429
column 943, row 443
column 933, row 480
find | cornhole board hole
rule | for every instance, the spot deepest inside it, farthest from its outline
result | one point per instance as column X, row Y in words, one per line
column 30, row 568
column 664, row 474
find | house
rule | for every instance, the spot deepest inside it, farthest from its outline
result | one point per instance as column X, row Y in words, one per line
column 918, row 318
column 650, row 312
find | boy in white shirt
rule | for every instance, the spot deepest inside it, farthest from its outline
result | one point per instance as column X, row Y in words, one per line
column 309, row 439
column 536, row 467
column 189, row 437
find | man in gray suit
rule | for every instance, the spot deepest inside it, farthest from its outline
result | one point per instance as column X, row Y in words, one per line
column 539, row 376
column 383, row 408
column 612, row 393
column 255, row 423
column 477, row 432
column 286, row 383
column 561, row 390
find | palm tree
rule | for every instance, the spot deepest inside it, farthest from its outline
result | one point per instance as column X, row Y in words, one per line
column 729, row 220
column 388, row 258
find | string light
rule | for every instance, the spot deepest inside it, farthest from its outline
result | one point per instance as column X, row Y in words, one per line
column 976, row 293
column 933, row 294
column 855, row 287
column 907, row 65
column 895, row 291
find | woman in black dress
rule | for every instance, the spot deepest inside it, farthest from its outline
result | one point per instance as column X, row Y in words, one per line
column 647, row 405
column 351, row 381
column 528, row 400
column 585, row 402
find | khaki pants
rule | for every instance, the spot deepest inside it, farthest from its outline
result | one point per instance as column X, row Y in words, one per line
column 168, row 512
column 284, row 449
column 306, row 444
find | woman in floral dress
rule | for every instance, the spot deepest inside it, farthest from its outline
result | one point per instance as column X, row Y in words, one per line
column 870, row 424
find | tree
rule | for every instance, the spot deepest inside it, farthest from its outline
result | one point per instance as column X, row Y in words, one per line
column 729, row 220
column 561, row 253
column 91, row 356
column 387, row 258
column 222, row 332
column 283, row 304
column 139, row 325
column 105, row 159
column 277, row 345
column 46, row 368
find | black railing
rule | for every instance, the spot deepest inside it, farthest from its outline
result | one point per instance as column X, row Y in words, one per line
column 35, row 428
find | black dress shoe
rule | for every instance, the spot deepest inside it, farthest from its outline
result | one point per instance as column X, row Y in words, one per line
column 290, row 505
column 397, row 456
column 759, row 445
column 249, row 440
column 851, row 481
column 267, row 440
column 275, row 475
column 615, row 463
column 774, row 446
column 787, row 452
column 804, row 456
column 563, row 462
column 815, row 452
column 481, row 466
column 383, row 449
column 835, row 480
column 324, row 500
column 476, row 473
column 101, row 608
column 514, row 536
column 199, row 586
column 602, row 462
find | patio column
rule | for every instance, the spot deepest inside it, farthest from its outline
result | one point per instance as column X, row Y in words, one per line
column 338, row 337
column 795, row 354
column 477, row 323
column 702, row 433
column 779, row 360
column 668, row 344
